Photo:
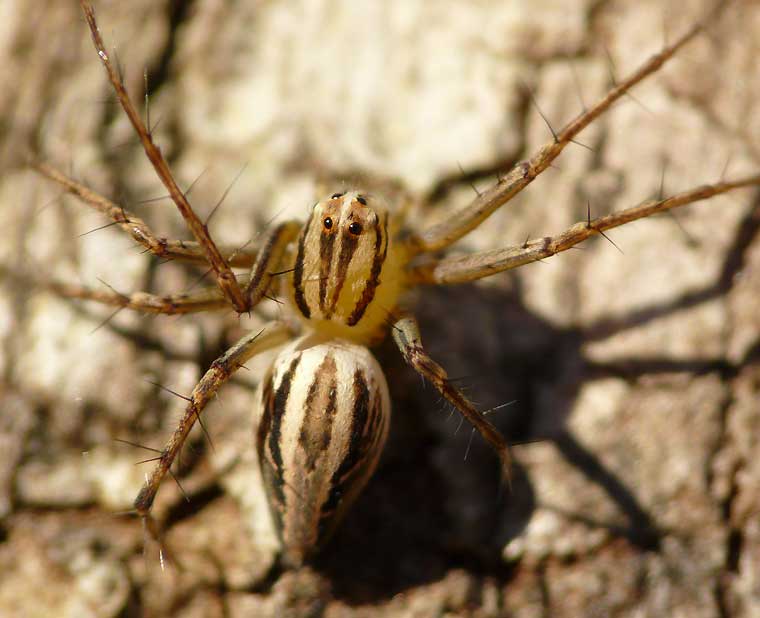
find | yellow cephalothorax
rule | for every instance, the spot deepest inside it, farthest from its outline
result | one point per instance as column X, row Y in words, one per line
column 348, row 271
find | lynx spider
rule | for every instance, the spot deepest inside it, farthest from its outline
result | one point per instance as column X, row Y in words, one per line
column 344, row 272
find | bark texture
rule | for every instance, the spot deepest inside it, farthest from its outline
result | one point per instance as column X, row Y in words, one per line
column 635, row 372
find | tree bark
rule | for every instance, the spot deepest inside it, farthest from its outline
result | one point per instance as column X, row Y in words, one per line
column 634, row 372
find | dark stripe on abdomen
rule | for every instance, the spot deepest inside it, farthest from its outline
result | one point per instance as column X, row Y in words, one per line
column 270, row 430
column 356, row 452
column 321, row 401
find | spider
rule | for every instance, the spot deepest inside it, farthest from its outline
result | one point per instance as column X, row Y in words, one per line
column 344, row 273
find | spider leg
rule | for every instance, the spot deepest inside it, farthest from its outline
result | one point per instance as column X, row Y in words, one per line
column 220, row 372
column 269, row 260
column 406, row 334
column 523, row 173
column 138, row 229
column 204, row 300
column 460, row 269
column 262, row 263
column 225, row 278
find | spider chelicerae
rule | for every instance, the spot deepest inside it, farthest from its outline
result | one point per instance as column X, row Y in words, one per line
column 344, row 272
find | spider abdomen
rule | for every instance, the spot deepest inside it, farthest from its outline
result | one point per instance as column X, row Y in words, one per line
column 325, row 412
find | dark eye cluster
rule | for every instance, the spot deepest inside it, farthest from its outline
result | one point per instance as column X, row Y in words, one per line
column 354, row 228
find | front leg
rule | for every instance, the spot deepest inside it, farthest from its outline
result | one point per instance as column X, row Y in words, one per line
column 225, row 278
column 470, row 267
column 134, row 226
column 406, row 334
column 485, row 204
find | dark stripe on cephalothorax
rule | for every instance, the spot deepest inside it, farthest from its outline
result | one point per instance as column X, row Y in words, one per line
column 356, row 448
column 348, row 245
column 321, row 400
column 370, row 286
column 278, row 401
column 298, row 292
column 326, row 247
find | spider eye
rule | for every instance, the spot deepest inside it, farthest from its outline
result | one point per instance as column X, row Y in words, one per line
column 327, row 223
column 336, row 195
column 355, row 228
column 361, row 199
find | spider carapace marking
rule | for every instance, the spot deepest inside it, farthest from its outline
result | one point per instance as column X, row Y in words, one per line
column 324, row 407
column 348, row 271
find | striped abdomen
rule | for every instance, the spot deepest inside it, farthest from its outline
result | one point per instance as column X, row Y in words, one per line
column 346, row 275
column 324, row 419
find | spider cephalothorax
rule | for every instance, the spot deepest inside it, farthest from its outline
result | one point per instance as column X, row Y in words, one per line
column 348, row 271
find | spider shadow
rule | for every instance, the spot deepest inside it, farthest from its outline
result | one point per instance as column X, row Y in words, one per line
column 424, row 515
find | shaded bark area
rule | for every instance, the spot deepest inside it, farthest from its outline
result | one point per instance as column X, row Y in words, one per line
column 634, row 372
